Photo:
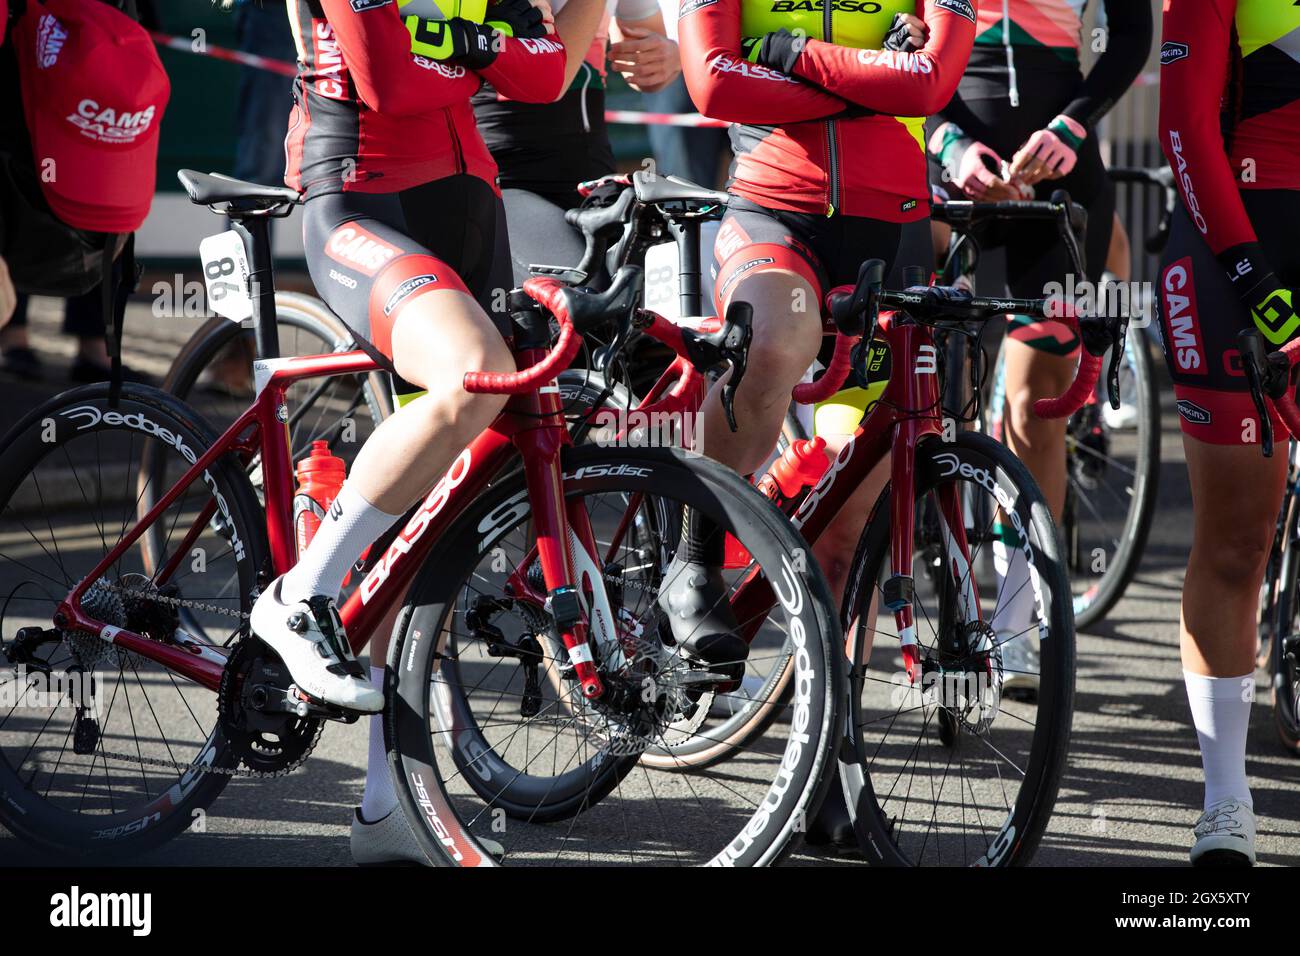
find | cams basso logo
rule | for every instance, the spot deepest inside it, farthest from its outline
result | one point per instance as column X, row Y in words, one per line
column 845, row 6
column 353, row 246
column 109, row 125
column 690, row 6
column 1182, row 326
column 405, row 289
column 1172, row 52
column 1193, row 412
column 963, row 8
column 727, row 63
column 50, row 37
column 898, row 60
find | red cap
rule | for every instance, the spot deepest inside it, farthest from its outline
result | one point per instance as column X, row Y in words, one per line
column 93, row 92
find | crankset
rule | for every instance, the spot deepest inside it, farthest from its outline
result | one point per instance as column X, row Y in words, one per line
column 270, row 725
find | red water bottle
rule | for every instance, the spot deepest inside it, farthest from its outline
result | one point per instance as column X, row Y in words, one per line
column 795, row 473
column 320, row 476
column 787, row 483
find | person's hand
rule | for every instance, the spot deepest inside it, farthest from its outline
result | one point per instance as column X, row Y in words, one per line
column 647, row 60
column 548, row 15
column 1050, row 153
column 8, row 295
column 977, row 175
column 520, row 18
column 473, row 45
column 1271, row 303
column 907, row 34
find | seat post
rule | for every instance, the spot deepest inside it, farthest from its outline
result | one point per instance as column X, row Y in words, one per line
column 687, row 234
column 256, row 233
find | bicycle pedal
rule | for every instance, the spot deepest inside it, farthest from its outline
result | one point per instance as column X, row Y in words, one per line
column 304, row 705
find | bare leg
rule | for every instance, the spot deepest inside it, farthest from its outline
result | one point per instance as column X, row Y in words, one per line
column 787, row 335
column 1039, row 443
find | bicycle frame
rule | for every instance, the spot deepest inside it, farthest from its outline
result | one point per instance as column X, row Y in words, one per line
column 532, row 425
column 907, row 414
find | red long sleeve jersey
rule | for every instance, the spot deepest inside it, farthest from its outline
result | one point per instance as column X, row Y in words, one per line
column 844, row 133
column 370, row 116
column 1230, row 107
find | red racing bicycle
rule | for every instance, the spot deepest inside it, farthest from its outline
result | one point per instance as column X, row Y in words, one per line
column 938, row 764
column 530, row 667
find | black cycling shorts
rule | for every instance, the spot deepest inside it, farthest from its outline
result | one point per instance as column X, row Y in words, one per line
column 827, row 251
column 369, row 254
column 1200, row 316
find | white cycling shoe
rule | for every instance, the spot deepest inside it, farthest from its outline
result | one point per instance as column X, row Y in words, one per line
column 1124, row 418
column 309, row 638
column 1225, row 835
column 1021, row 663
column 390, row 842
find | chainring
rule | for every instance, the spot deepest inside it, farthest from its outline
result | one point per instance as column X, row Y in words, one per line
column 264, row 741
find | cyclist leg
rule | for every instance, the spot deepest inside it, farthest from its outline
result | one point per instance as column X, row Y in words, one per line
column 410, row 310
column 1041, row 355
column 761, row 257
column 1236, row 492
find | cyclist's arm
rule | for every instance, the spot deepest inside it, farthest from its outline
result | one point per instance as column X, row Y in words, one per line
column 1190, row 90
column 530, row 70
column 576, row 24
column 725, row 86
column 377, row 49
column 1128, row 41
column 898, row 84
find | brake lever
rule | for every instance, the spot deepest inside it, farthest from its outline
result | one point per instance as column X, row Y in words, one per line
column 1266, row 373
column 1119, row 334
column 738, row 331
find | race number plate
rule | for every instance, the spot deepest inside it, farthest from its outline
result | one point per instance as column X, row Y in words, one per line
column 661, row 275
column 225, row 272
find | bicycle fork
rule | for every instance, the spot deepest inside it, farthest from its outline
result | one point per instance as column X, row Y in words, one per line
column 566, row 547
column 919, row 392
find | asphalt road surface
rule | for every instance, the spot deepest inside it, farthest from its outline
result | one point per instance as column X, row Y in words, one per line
column 1129, row 795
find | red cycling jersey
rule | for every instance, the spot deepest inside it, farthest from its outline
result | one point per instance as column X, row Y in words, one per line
column 370, row 116
column 841, row 133
column 1229, row 108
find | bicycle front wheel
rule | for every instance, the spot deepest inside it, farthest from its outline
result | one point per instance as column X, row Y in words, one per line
column 960, row 766
column 498, row 756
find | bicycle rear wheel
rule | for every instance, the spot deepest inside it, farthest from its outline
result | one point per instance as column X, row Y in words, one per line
column 125, row 768
column 493, row 743
column 950, row 770
column 1284, row 642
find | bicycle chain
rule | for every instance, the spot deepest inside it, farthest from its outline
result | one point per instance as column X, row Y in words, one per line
column 140, row 759
column 174, row 602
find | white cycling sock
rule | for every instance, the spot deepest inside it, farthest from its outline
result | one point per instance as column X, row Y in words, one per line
column 1014, row 614
column 349, row 527
column 1221, row 714
column 378, row 800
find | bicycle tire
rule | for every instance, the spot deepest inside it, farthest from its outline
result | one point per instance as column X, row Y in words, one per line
column 29, row 815
column 1017, row 838
column 439, row 819
column 1282, row 674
